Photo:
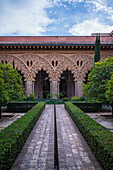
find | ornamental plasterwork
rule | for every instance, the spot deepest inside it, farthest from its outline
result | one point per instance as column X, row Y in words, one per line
column 83, row 63
column 79, row 65
column 104, row 56
column 53, row 64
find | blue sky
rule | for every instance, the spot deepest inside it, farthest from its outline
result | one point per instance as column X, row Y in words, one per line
column 55, row 17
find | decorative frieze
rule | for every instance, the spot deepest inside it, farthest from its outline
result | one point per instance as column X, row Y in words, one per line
column 53, row 64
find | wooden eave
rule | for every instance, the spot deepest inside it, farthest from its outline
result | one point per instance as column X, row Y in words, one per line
column 54, row 47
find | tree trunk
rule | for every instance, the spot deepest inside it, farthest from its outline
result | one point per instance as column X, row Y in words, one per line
column 0, row 112
column 112, row 109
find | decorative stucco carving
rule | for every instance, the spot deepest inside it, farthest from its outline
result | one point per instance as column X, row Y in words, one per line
column 79, row 65
column 106, row 55
column 53, row 64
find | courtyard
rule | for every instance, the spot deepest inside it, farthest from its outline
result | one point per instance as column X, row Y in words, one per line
column 72, row 152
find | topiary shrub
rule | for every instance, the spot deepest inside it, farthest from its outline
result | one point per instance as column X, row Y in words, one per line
column 74, row 98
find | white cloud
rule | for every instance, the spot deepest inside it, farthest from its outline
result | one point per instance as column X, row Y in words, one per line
column 88, row 27
column 27, row 18
column 69, row 1
column 66, row 25
column 101, row 6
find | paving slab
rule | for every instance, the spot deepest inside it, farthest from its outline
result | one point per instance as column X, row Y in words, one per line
column 73, row 151
column 38, row 151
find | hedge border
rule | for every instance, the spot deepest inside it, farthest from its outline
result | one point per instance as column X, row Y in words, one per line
column 14, row 136
column 98, row 137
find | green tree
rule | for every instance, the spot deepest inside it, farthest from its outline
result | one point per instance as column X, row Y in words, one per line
column 97, row 49
column 3, row 93
column 98, row 78
column 10, row 85
column 109, row 91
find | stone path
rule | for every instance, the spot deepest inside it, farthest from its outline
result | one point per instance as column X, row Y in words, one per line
column 38, row 151
column 73, row 151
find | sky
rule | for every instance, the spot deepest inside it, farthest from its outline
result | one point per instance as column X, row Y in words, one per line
column 55, row 17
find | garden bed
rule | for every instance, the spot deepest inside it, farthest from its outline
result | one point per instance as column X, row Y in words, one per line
column 14, row 136
column 99, row 138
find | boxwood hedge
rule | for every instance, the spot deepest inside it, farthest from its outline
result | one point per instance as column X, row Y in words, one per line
column 14, row 136
column 99, row 138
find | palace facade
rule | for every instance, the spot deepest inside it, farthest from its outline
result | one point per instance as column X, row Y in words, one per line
column 53, row 64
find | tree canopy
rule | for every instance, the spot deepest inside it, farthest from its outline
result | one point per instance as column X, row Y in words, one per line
column 11, row 87
column 109, row 91
column 98, row 78
column 3, row 93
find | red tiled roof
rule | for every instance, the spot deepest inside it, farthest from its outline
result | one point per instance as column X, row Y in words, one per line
column 54, row 39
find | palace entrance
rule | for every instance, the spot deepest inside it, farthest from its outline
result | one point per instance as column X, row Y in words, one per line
column 41, row 85
column 67, row 85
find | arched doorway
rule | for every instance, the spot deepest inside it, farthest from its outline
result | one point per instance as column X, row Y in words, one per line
column 67, row 85
column 42, row 84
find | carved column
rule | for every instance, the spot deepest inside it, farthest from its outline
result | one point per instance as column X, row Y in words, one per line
column 33, row 91
column 58, row 84
column 79, row 88
column 54, row 88
column 76, row 88
column 29, row 88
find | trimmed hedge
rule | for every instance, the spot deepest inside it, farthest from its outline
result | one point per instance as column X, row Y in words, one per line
column 99, row 138
column 14, row 136
column 20, row 107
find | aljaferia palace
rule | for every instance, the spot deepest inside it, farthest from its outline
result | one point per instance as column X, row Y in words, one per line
column 53, row 64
